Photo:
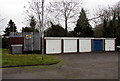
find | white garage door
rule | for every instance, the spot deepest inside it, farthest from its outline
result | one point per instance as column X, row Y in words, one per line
column 84, row 45
column 109, row 45
column 70, row 46
column 53, row 46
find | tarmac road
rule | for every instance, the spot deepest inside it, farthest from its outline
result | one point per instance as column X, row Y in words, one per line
column 72, row 66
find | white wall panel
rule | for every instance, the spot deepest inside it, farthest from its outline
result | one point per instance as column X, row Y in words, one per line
column 70, row 45
column 53, row 46
column 84, row 45
column 109, row 45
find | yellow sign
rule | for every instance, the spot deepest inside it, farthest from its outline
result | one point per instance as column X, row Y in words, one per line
column 28, row 36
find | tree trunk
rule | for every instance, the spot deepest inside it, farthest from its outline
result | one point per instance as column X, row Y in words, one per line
column 66, row 27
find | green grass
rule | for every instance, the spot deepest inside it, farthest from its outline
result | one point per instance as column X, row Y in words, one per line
column 26, row 59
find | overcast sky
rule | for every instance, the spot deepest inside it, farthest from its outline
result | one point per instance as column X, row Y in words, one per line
column 14, row 9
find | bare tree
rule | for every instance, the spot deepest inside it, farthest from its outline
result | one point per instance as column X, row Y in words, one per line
column 109, row 19
column 64, row 10
column 108, row 13
column 104, row 13
column 1, row 25
column 116, row 9
column 35, row 9
column 1, row 19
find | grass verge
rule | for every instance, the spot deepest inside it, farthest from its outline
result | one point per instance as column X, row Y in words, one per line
column 10, row 60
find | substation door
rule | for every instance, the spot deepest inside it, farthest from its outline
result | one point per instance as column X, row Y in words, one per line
column 36, row 41
column 32, row 41
column 28, row 41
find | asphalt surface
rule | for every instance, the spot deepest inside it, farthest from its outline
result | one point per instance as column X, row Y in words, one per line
column 72, row 66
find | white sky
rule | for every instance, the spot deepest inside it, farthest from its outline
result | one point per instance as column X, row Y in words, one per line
column 14, row 9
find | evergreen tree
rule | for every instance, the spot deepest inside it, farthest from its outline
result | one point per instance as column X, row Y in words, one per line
column 106, row 28
column 5, row 42
column 110, row 27
column 11, row 28
column 72, row 34
column 118, row 31
column 32, row 22
column 55, row 31
column 29, row 29
column 32, row 26
column 83, row 27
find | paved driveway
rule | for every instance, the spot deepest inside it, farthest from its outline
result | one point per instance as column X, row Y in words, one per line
column 72, row 66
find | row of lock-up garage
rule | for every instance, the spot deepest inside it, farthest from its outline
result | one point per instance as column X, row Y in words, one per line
column 58, row 45
column 31, row 42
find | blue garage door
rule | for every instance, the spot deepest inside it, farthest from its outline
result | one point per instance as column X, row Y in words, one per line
column 98, row 45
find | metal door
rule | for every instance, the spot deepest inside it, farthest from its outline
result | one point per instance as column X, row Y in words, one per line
column 36, row 41
column 70, row 45
column 53, row 46
column 85, row 45
column 28, row 41
column 109, row 45
column 98, row 45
